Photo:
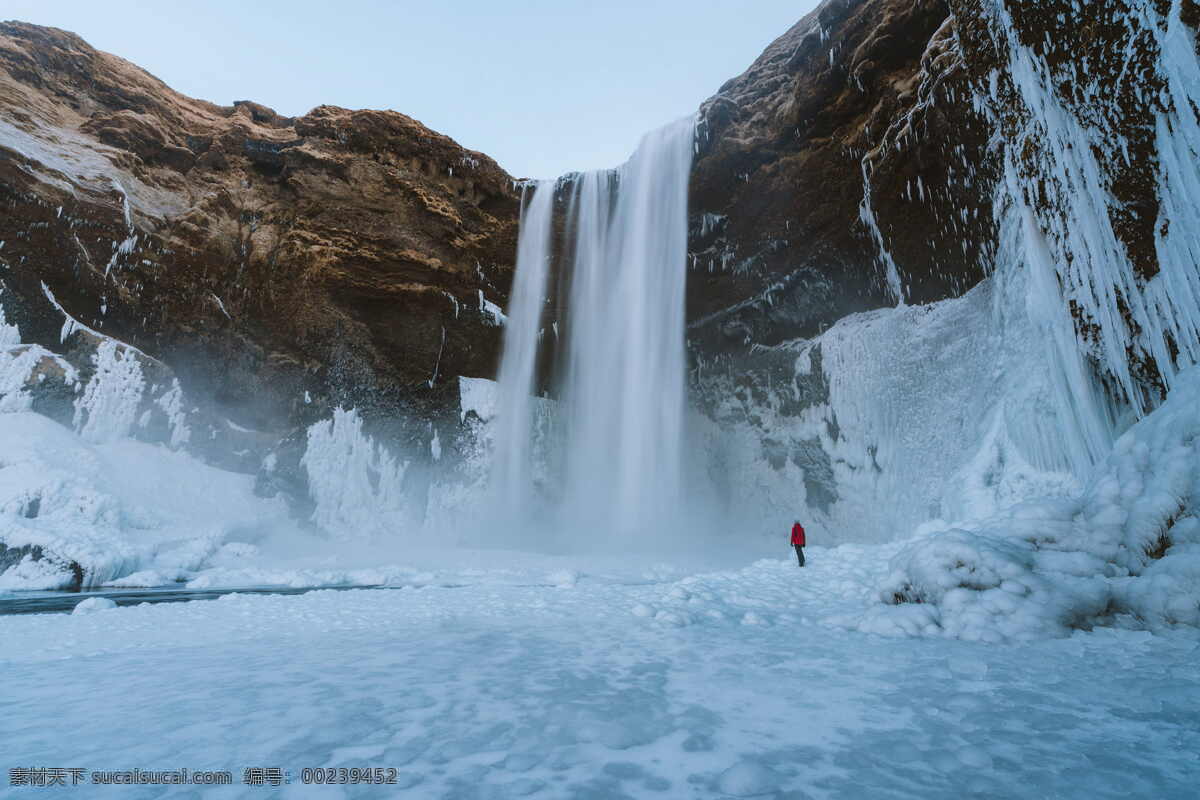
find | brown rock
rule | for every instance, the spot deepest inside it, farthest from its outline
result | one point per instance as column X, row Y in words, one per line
column 341, row 253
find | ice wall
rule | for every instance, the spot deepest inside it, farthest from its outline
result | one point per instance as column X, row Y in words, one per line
column 893, row 418
column 1125, row 551
column 108, row 408
column 1074, row 134
column 82, row 503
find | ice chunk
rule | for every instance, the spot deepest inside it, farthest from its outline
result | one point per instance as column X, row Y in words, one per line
column 93, row 604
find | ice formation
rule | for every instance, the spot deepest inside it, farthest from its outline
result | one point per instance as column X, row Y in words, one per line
column 108, row 407
column 87, row 505
column 950, row 418
column 1015, row 430
column 85, row 513
column 355, row 482
column 1125, row 551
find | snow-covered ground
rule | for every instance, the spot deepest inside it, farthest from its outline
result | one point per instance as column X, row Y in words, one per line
column 574, row 685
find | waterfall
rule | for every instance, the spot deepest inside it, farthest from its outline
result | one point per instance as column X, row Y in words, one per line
column 512, row 473
column 620, row 374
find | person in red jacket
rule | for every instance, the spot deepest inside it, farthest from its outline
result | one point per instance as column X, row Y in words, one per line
column 798, row 541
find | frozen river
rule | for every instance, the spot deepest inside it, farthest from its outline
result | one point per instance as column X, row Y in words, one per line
column 572, row 685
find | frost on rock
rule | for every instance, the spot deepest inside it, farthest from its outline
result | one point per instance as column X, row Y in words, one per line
column 18, row 366
column 1126, row 551
column 108, row 407
column 171, row 403
column 1138, row 318
column 478, row 395
column 355, row 483
column 24, row 367
column 15, row 367
column 492, row 313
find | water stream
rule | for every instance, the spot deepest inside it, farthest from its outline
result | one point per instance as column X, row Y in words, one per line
column 619, row 380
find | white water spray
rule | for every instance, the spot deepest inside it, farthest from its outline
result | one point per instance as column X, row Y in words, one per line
column 622, row 375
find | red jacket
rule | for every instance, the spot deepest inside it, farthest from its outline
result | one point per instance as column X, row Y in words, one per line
column 798, row 535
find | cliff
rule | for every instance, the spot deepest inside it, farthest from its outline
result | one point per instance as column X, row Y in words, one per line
column 864, row 161
column 281, row 266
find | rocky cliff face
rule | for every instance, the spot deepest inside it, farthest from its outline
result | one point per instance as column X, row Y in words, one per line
column 859, row 162
column 845, row 170
column 281, row 266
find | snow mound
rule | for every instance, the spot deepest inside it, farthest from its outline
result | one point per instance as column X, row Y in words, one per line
column 748, row 779
column 92, row 605
column 1124, row 552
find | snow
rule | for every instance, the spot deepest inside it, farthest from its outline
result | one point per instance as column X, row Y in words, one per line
column 354, row 481
column 107, row 409
column 115, row 507
column 1126, row 551
column 504, row 686
column 478, row 395
column 1003, row 599
column 92, row 605
column 1050, row 655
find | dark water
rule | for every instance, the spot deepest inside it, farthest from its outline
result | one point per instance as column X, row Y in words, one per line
column 60, row 602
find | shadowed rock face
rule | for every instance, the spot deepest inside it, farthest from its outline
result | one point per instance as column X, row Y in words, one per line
column 340, row 254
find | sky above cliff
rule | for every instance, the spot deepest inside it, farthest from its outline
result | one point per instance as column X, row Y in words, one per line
column 542, row 86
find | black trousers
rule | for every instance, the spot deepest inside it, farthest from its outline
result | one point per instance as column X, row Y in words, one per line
column 800, row 553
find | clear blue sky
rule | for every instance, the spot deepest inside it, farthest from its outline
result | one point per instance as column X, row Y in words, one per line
column 542, row 86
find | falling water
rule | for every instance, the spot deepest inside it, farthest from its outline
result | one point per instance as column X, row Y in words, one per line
column 621, row 375
column 511, row 478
